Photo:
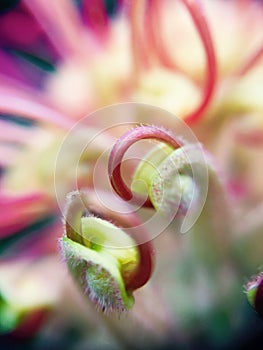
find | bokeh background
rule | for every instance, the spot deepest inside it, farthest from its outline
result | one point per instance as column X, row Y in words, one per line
column 59, row 62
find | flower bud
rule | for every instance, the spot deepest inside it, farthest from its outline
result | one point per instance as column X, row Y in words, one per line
column 254, row 290
column 169, row 179
column 102, row 258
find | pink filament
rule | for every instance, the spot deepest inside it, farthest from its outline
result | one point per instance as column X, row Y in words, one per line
column 198, row 16
column 139, row 49
column 120, row 148
column 153, row 32
column 252, row 61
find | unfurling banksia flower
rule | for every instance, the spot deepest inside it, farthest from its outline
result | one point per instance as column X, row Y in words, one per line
column 110, row 254
column 105, row 261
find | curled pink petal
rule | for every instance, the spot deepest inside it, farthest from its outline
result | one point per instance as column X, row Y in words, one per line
column 18, row 212
column 11, row 132
column 6, row 199
column 15, row 105
column 40, row 244
column 10, row 67
column 61, row 24
column 20, row 28
column 8, row 155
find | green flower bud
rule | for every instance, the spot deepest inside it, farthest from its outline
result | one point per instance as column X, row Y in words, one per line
column 142, row 177
column 168, row 177
column 101, row 257
column 98, row 274
column 254, row 291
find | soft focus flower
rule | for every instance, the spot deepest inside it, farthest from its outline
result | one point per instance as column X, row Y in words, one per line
column 200, row 60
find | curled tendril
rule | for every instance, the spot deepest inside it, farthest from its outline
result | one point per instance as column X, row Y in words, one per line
column 107, row 263
column 119, row 150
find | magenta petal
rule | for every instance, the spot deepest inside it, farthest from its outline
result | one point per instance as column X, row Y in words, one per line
column 11, row 132
column 16, row 105
column 19, row 28
column 17, row 212
column 95, row 16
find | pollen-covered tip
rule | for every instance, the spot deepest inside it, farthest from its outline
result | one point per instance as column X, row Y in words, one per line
column 254, row 290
